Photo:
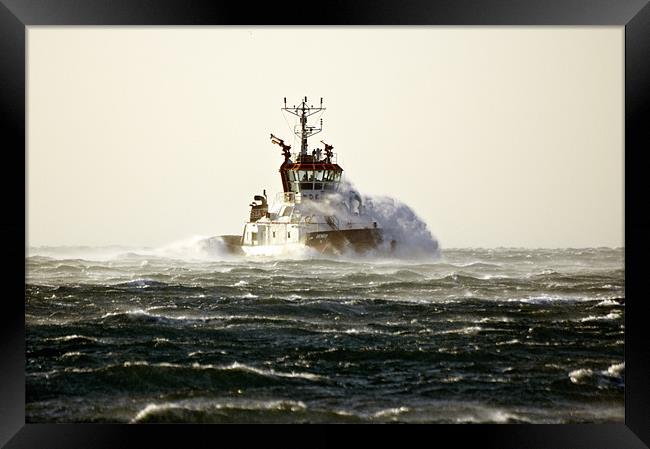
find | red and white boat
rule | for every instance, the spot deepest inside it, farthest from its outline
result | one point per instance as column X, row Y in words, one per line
column 313, row 210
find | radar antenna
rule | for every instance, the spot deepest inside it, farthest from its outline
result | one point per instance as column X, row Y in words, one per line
column 302, row 111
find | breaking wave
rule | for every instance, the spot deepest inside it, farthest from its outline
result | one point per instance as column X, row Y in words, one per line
column 398, row 221
column 614, row 374
column 192, row 409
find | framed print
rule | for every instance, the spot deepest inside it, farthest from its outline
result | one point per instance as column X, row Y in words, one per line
column 445, row 227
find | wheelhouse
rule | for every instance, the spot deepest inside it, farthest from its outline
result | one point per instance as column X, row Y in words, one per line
column 301, row 178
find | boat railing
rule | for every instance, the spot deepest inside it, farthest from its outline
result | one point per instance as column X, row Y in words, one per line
column 318, row 226
column 309, row 159
column 324, row 227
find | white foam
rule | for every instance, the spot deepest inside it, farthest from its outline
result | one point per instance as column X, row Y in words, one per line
column 80, row 370
column 615, row 370
column 166, row 306
column 482, row 414
column 137, row 313
column 501, row 319
column 206, row 405
column 451, row 379
column 154, row 408
column 289, row 251
column 263, row 372
column 350, row 331
column 133, row 312
column 72, row 337
column 580, row 375
column 609, row 317
column 469, row 330
column 194, row 248
column 540, row 299
column 130, row 363
column 391, row 412
column 198, row 247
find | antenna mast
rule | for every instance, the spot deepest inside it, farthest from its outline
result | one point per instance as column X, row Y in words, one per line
column 303, row 111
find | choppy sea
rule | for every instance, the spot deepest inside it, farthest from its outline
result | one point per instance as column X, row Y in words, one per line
column 478, row 335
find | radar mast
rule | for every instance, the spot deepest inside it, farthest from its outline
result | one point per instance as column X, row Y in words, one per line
column 302, row 111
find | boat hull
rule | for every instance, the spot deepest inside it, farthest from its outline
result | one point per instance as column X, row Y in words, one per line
column 233, row 244
column 344, row 240
column 333, row 242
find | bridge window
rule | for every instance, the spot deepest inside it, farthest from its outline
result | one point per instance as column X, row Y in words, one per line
column 301, row 180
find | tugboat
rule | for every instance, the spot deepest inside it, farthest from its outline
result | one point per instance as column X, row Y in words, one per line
column 313, row 210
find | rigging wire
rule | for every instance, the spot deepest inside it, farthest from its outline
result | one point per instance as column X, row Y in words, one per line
column 316, row 118
column 291, row 130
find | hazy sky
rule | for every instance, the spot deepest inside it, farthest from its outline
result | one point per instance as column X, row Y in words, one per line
column 495, row 136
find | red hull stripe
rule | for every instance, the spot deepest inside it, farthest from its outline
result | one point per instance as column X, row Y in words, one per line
column 311, row 167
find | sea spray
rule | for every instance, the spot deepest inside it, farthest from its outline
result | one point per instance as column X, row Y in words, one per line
column 402, row 225
column 405, row 234
column 197, row 247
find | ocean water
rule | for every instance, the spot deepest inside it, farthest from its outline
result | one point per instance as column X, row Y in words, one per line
column 183, row 335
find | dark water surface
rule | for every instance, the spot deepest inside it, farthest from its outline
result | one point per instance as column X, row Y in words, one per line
column 504, row 335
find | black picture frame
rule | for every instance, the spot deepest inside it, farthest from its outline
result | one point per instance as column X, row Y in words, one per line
column 16, row 15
